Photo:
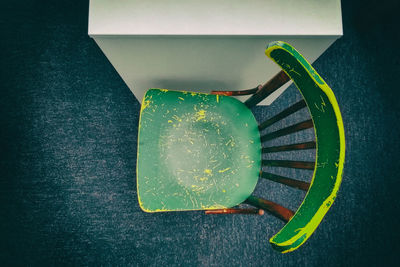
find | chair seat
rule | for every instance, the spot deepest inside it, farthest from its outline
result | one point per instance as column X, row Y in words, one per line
column 195, row 151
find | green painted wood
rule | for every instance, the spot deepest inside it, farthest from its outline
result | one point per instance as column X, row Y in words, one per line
column 330, row 147
column 195, row 151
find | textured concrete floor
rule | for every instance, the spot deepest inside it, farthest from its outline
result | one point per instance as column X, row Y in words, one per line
column 68, row 130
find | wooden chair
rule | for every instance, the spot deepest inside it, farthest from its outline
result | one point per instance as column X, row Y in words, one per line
column 204, row 151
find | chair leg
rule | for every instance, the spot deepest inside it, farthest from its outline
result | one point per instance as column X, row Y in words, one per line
column 275, row 209
column 236, row 211
column 236, row 93
column 267, row 89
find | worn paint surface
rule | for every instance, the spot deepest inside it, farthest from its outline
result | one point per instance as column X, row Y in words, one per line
column 195, row 151
column 330, row 146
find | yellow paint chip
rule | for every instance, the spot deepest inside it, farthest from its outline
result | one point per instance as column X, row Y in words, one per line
column 146, row 103
column 224, row 170
column 200, row 115
column 175, row 117
column 208, row 171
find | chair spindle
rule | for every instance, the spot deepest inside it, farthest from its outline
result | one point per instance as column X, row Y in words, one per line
column 299, row 146
column 286, row 181
column 308, row 165
column 290, row 110
column 288, row 130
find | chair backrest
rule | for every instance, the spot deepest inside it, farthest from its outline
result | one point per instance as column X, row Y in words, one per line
column 329, row 144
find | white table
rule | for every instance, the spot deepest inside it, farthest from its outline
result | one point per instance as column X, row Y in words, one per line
column 209, row 44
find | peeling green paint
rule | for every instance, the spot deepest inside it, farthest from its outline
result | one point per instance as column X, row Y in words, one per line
column 330, row 147
column 193, row 151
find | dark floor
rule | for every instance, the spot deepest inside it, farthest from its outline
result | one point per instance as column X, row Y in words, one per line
column 68, row 129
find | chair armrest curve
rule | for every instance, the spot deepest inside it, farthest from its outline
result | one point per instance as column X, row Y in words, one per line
column 330, row 146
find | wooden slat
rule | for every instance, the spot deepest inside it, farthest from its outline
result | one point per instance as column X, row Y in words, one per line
column 236, row 211
column 275, row 209
column 290, row 110
column 236, row 93
column 286, row 181
column 288, row 130
column 299, row 146
column 267, row 89
column 308, row 165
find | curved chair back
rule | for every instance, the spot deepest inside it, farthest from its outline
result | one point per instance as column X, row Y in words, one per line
column 329, row 144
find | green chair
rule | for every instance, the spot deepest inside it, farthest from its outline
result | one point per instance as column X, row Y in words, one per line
column 204, row 151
